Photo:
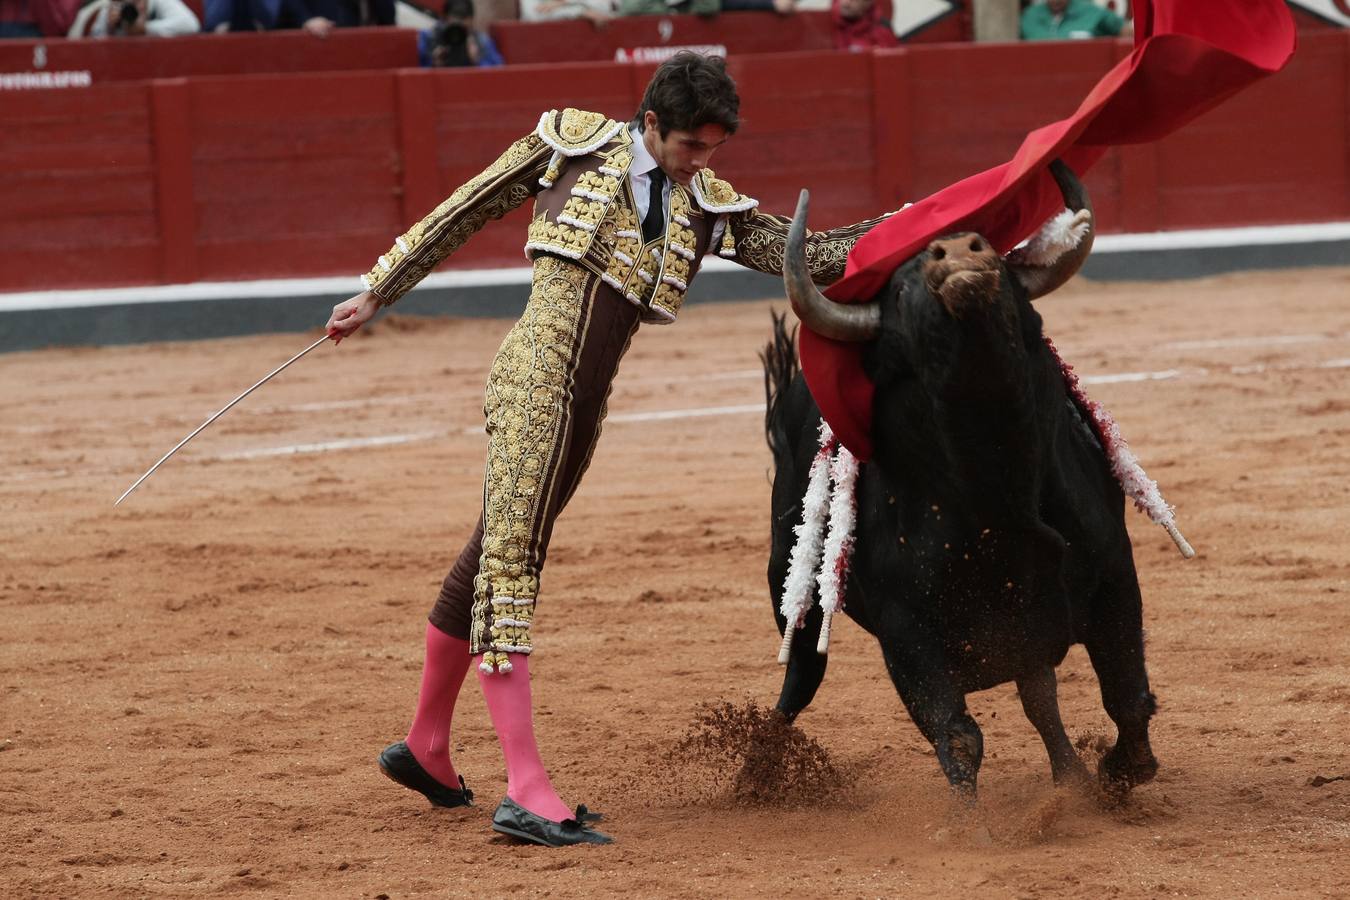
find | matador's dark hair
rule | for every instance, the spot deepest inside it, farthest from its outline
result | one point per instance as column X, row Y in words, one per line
column 691, row 90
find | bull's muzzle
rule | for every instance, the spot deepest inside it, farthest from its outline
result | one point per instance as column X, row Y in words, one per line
column 962, row 271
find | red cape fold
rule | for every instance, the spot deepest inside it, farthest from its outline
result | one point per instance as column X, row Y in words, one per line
column 1189, row 56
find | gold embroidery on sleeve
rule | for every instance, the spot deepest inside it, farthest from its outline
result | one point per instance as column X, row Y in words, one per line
column 761, row 239
column 491, row 194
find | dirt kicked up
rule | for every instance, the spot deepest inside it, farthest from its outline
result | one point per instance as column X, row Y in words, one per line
column 194, row 686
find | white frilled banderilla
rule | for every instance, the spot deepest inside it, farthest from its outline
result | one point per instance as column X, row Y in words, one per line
column 821, row 560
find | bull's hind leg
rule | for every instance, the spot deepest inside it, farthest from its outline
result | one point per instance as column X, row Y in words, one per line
column 1040, row 702
column 938, row 708
column 1115, row 643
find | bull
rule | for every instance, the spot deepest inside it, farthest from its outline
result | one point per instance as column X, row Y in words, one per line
column 990, row 532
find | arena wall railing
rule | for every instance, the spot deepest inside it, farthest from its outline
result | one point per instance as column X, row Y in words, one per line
column 96, row 62
column 219, row 178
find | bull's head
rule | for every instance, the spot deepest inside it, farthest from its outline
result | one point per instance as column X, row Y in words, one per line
column 960, row 271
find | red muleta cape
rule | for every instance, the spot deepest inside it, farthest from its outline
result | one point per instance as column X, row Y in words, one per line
column 1189, row 56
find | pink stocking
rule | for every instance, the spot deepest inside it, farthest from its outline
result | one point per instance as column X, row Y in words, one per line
column 447, row 659
column 509, row 704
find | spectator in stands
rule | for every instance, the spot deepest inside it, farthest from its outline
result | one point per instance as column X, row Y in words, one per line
column 454, row 41
column 598, row 11
column 133, row 18
column 1058, row 20
column 318, row 17
column 36, row 18
column 862, row 24
column 782, row 7
column 667, row 8
column 357, row 13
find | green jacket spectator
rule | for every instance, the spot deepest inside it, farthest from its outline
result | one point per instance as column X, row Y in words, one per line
column 1058, row 20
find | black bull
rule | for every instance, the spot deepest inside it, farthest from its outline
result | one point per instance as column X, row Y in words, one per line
column 990, row 532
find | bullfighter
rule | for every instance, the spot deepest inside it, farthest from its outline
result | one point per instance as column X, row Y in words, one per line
column 624, row 213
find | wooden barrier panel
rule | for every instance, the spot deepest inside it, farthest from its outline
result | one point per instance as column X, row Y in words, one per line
column 140, row 59
column 315, row 174
column 807, row 123
column 77, row 189
column 1275, row 153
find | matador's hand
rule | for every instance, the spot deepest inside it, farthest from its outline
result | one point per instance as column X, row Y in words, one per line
column 350, row 315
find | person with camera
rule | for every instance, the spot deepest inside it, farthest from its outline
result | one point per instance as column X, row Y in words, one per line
column 134, row 18
column 453, row 41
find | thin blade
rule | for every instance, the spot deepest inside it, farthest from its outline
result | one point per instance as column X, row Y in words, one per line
column 266, row 378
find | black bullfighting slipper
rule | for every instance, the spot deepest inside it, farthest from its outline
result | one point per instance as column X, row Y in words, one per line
column 398, row 762
column 585, row 815
column 517, row 821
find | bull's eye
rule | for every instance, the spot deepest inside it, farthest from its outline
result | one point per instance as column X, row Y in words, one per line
column 975, row 245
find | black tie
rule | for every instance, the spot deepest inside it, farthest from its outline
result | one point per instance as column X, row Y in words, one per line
column 655, row 222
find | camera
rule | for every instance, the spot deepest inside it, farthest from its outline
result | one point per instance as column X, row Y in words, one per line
column 451, row 34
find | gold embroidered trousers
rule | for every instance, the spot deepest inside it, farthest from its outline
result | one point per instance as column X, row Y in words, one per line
column 545, row 402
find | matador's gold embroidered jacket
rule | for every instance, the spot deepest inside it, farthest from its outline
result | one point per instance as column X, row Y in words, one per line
column 575, row 164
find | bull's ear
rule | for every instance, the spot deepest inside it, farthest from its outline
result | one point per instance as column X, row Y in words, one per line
column 1041, row 279
column 840, row 321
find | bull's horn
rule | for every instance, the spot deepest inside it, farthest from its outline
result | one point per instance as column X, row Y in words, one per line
column 1041, row 280
column 840, row 321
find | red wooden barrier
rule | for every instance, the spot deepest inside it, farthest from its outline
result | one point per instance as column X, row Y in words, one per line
column 80, row 63
column 271, row 176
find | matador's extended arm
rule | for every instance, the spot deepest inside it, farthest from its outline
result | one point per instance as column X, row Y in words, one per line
column 491, row 194
column 761, row 238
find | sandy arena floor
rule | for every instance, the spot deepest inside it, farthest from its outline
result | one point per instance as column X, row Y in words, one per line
column 194, row 686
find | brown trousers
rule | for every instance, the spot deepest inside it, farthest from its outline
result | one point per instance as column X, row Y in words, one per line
column 546, row 398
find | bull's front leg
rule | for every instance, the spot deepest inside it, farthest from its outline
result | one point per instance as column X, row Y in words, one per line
column 938, row 708
column 1115, row 643
column 805, row 668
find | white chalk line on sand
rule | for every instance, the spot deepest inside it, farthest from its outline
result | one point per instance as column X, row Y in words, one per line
column 1276, row 340
column 386, row 400
column 757, row 408
column 405, row 399
column 379, row 440
column 1264, row 340
column 663, row 415
column 388, row 440
column 758, row 374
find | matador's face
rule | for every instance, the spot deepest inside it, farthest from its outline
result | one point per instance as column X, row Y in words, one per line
column 681, row 154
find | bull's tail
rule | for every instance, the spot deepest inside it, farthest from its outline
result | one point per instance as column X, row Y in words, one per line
column 779, row 357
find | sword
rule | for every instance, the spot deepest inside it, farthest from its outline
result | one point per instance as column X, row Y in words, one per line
column 266, row 378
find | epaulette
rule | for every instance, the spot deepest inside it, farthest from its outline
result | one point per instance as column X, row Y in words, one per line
column 576, row 132
column 573, row 133
column 718, row 196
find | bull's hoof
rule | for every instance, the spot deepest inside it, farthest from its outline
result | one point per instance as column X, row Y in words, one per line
column 1120, row 770
column 1071, row 774
column 965, row 794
